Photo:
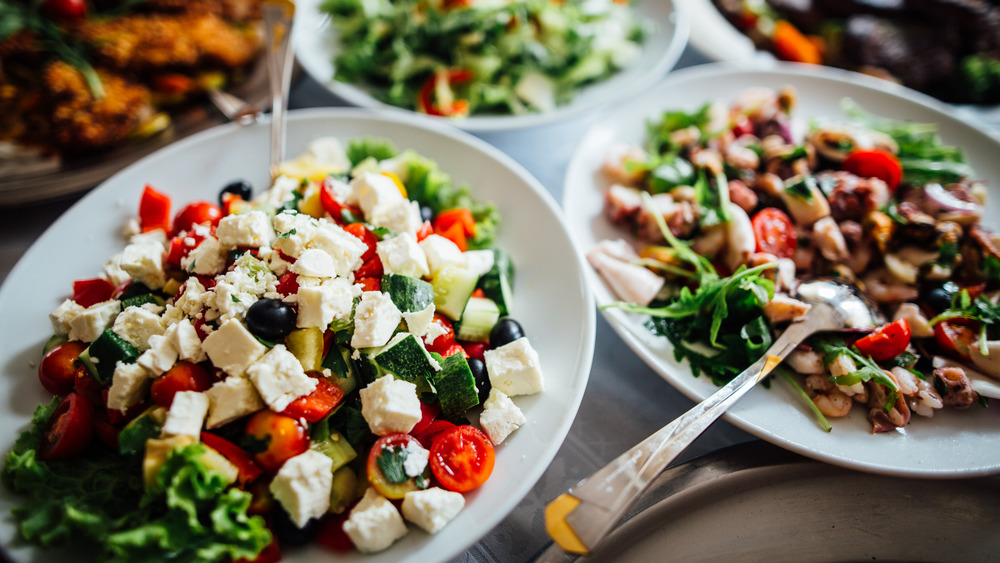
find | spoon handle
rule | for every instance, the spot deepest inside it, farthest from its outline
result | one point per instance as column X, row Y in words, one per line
column 278, row 18
column 579, row 519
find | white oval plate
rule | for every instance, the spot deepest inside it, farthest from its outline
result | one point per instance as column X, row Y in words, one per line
column 952, row 443
column 553, row 302
column 315, row 42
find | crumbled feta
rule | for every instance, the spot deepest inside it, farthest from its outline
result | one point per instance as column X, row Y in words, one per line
column 375, row 193
column 63, row 315
column 344, row 248
column 500, row 416
column 390, row 405
column 419, row 322
column 136, row 324
column 251, row 229
column 479, row 261
column 187, row 414
column 160, row 356
column 374, row 523
column 230, row 399
column 402, row 255
column 375, row 319
column 207, row 259
column 329, row 153
column 185, row 340
column 279, row 378
column 295, row 231
column 303, row 485
column 156, row 237
column 314, row 262
column 191, row 297
column 113, row 271
column 232, row 348
column 514, row 368
column 416, row 459
column 89, row 323
column 433, row 508
column 441, row 252
column 128, row 386
column 320, row 304
column 282, row 190
column 404, row 217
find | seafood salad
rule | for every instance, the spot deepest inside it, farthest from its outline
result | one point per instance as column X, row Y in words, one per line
column 731, row 208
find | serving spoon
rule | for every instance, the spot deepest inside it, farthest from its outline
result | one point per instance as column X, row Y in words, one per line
column 580, row 518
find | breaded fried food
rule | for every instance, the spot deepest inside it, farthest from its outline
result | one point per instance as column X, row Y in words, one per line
column 141, row 43
column 81, row 122
column 232, row 10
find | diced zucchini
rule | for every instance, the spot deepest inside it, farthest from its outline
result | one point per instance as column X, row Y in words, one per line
column 497, row 283
column 456, row 387
column 102, row 355
column 344, row 491
column 337, row 448
column 453, row 285
column 341, row 367
column 405, row 358
column 140, row 300
column 408, row 294
column 480, row 315
column 306, row 344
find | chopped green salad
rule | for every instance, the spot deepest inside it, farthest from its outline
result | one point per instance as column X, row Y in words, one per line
column 459, row 57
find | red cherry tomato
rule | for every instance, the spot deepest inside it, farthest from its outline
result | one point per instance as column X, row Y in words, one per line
column 462, row 458
column 370, row 284
column 116, row 417
column 184, row 376
column 107, row 433
column 314, row 406
column 288, row 284
column 248, row 470
column 92, row 291
column 196, row 213
column 386, row 446
column 444, row 341
column 433, row 430
column 887, row 342
column 70, row 429
column 66, row 10
column 957, row 336
column 331, row 533
column 279, row 438
column 425, row 230
column 875, row 163
column 370, row 269
column 154, row 210
column 741, row 125
column 58, row 369
column 366, row 236
column 474, row 349
column 428, row 412
column 774, row 232
column 88, row 387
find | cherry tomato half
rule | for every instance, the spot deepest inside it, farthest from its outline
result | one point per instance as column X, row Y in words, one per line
column 385, row 447
column 462, row 458
column 248, row 470
column 314, row 406
column 196, row 213
column 366, row 236
column 70, row 429
column 184, row 376
column 956, row 336
column 279, row 438
column 58, row 369
column 331, row 533
column 443, row 342
column 432, row 431
column 875, row 163
column 886, row 342
column 774, row 232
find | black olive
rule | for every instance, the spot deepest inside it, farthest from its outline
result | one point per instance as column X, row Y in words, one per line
column 241, row 188
column 288, row 533
column 478, row 368
column 426, row 213
column 938, row 299
column 505, row 331
column 271, row 319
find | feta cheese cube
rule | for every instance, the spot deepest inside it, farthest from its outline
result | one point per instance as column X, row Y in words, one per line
column 128, row 386
column 144, row 262
column 404, row 217
column 416, row 459
column 232, row 348
column 157, row 237
column 187, row 414
column 303, row 485
column 294, row 230
column 251, row 229
column 441, row 252
column 283, row 189
column 279, row 378
column 390, row 405
column 402, row 255
column 479, row 261
column 433, row 508
column 500, row 416
column 419, row 322
column 207, row 259
column 375, row 319
column 191, row 297
column 88, row 324
column 514, row 368
column 314, row 262
column 230, row 399
column 63, row 315
column 374, row 524
column 375, row 193
column 184, row 339
column 113, row 271
column 319, row 305
column 160, row 356
column 329, row 153
column 345, row 248
column 136, row 325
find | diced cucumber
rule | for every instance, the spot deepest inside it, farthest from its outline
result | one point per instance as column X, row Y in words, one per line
column 140, row 300
column 102, row 355
column 406, row 358
column 480, row 315
column 306, row 344
column 453, row 285
column 53, row 341
column 365, row 368
column 132, row 438
column 497, row 283
column 341, row 367
column 344, row 491
column 337, row 448
column 408, row 294
column 456, row 387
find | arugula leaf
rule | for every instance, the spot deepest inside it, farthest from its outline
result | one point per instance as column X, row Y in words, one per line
column 390, row 461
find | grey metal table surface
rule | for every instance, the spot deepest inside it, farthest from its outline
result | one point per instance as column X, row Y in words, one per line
column 625, row 400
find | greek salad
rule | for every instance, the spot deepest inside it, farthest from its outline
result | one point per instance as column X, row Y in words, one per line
column 734, row 203
column 459, row 57
column 267, row 371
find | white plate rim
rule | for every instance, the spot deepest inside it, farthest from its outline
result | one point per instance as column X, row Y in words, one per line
column 631, row 331
column 306, row 45
column 566, row 402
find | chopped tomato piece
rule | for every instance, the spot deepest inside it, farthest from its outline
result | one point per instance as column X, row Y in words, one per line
column 154, row 210
column 370, row 284
column 460, row 215
column 331, row 533
column 957, row 336
column 444, row 341
column 774, row 232
column 332, row 204
column 314, row 406
column 248, row 470
column 370, row 269
column 58, row 369
column 366, row 236
column 196, row 213
column 462, row 458
column 428, row 412
column 117, row 417
column 875, row 163
column 433, row 430
column 70, row 429
column 474, row 349
column 425, row 231
column 886, row 342
column 478, row 292
column 278, row 437
column 456, row 234
column 184, row 376
column 288, row 284
column 91, row 291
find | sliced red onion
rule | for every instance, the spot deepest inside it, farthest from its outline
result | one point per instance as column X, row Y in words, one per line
column 948, row 202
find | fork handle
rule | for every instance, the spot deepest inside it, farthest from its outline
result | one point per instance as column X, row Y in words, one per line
column 598, row 502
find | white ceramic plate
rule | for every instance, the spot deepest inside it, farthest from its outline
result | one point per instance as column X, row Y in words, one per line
column 315, row 42
column 552, row 299
column 952, row 443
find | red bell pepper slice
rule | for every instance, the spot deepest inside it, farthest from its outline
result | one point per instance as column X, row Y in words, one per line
column 875, row 163
column 445, row 79
column 248, row 470
column 91, row 291
column 154, row 210
column 459, row 215
column 887, row 342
